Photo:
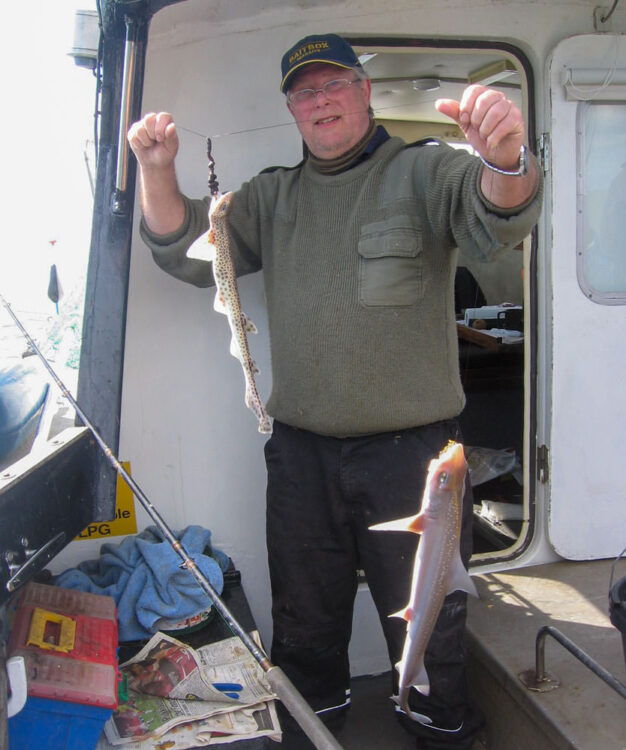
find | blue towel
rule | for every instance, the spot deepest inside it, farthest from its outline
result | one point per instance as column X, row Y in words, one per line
column 143, row 575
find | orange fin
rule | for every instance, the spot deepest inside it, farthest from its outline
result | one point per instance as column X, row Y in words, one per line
column 405, row 614
column 413, row 523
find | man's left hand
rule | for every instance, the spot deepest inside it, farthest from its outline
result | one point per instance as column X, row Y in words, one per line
column 492, row 124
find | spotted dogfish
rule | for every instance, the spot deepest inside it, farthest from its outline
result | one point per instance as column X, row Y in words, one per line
column 438, row 569
column 215, row 247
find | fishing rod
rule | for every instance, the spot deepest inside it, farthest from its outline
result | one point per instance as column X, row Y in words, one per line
column 293, row 701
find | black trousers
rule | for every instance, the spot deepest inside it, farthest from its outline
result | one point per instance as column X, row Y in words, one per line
column 323, row 493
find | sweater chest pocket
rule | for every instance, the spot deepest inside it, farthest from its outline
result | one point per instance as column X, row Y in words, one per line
column 390, row 263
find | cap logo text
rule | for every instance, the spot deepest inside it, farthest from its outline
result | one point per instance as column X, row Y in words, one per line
column 306, row 50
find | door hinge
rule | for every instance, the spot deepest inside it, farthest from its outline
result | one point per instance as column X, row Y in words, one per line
column 545, row 152
column 543, row 463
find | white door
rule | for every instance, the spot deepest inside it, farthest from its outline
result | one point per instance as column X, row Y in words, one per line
column 587, row 85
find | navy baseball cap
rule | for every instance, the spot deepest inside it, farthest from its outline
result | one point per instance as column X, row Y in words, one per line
column 318, row 48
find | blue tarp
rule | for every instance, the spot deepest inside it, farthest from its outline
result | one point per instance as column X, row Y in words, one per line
column 143, row 575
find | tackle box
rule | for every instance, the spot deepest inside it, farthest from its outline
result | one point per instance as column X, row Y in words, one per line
column 68, row 640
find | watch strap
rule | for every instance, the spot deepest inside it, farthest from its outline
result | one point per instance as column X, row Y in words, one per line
column 519, row 172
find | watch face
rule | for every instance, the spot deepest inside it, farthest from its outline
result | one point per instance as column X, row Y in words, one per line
column 523, row 161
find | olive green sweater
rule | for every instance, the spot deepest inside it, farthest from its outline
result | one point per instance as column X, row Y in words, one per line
column 359, row 280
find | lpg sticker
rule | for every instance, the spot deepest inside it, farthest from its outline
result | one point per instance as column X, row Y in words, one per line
column 125, row 521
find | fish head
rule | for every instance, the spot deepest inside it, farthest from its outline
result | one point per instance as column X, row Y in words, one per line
column 220, row 205
column 446, row 479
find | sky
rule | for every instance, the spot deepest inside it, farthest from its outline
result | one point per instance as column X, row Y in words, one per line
column 46, row 133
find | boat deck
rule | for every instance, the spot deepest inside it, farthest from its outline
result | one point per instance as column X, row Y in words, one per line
column 584, row 713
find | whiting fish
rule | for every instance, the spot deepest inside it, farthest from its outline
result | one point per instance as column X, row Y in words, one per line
column 438, row 569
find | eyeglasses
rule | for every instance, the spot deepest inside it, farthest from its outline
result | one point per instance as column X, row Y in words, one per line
column 330, row 90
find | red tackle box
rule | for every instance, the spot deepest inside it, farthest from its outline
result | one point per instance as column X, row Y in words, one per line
column 69, row 643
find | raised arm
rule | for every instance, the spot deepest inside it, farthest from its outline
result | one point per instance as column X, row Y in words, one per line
column 494, row 126
column 154, row 142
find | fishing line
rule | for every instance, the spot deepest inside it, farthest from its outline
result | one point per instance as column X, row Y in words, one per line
column 234, row 132
column 278, row 681
column 290, row 123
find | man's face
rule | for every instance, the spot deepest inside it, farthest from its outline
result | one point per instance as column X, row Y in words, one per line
column 330, row 125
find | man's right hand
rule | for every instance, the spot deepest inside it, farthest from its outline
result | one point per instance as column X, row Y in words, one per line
column 154, row 140
column 155, row 144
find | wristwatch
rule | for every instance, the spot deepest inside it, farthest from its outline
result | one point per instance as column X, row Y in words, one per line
column 519, row 172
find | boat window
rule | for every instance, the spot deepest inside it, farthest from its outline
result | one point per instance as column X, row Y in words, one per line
column 49, row 167
column 602, row 201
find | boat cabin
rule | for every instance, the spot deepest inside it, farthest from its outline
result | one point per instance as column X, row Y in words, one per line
column 540, row 331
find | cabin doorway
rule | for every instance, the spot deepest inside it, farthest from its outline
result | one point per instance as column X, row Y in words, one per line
column 493, row 301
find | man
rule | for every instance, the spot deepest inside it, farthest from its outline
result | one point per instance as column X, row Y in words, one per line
column 358, row 250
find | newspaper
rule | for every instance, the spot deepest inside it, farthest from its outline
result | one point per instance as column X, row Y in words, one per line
column 174, row 699
column 242, row 724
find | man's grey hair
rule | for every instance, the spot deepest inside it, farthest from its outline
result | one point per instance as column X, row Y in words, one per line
column 361, row 75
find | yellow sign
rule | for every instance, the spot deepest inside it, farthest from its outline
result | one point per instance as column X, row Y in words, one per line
column 125, row 521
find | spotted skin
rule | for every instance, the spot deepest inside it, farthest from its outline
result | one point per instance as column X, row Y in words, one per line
column 227, row 302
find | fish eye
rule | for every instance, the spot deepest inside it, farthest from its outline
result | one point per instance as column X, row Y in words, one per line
column 443, row 478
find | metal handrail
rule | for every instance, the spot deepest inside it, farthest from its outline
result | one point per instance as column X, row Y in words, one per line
column 597, row 669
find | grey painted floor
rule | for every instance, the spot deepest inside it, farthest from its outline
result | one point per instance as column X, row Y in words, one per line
column 372, row 723
column 371, row 720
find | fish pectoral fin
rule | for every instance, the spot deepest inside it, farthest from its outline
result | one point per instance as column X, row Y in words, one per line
column 202, row 248
column 404, row 614
column 459, row 579
column 413, row 523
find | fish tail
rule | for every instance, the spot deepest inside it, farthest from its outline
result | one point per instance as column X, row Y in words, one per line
column 402, row 701
column 254, row 403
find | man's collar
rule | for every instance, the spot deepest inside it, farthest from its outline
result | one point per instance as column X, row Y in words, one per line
column 375, row 136
column 379, row 137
